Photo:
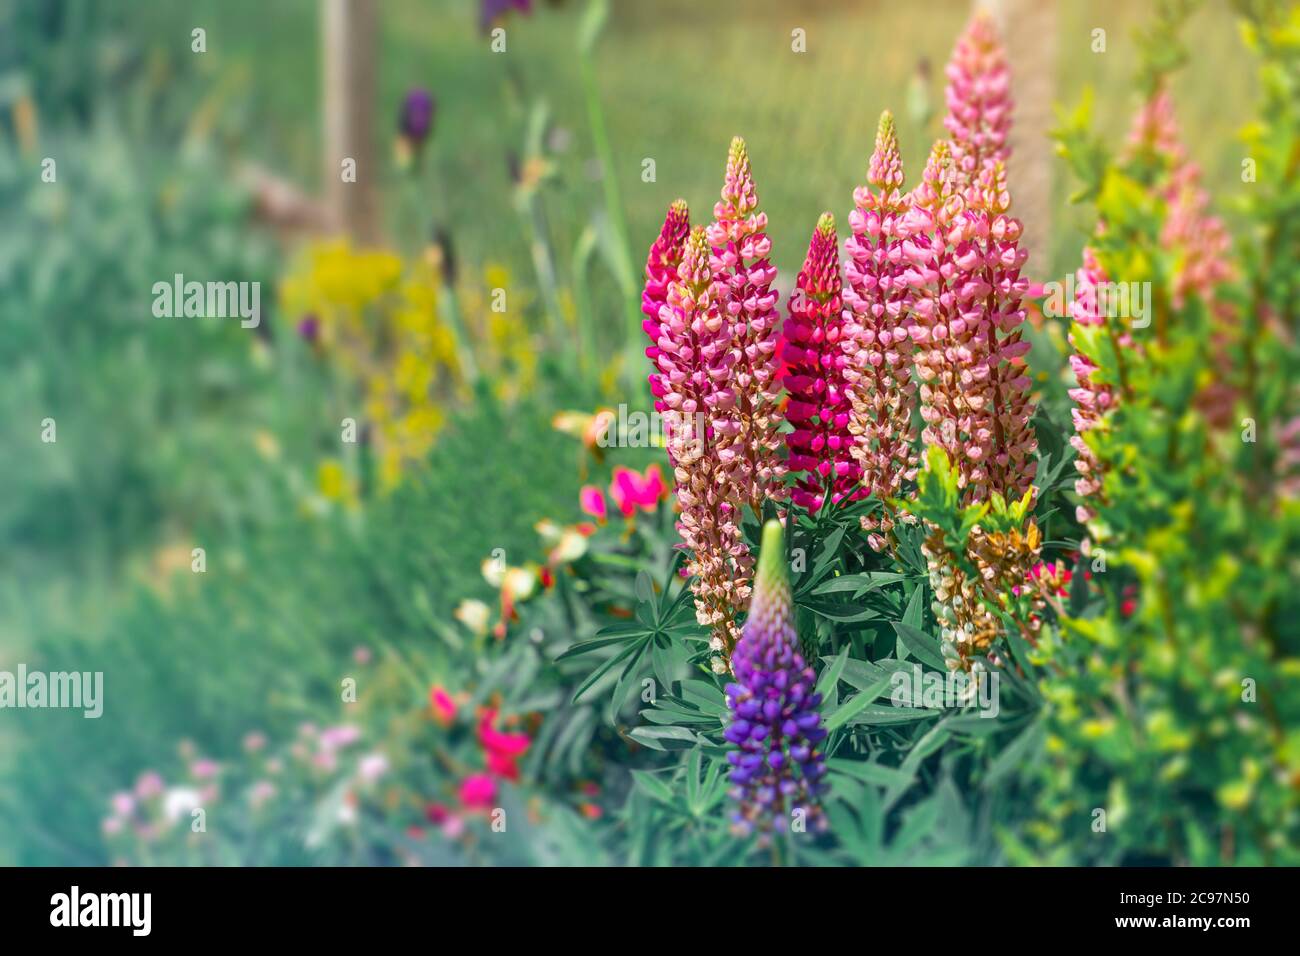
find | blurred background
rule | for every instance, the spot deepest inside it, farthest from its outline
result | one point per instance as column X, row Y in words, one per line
column 540, row 173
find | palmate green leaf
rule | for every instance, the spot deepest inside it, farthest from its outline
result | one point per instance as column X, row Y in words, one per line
column 705, row 696
column 703, row 795
column 624, row 686
column 846, row 613
column 831, row 674
column 858, row 584
column 855, row 706
column 880, row 716
column 862, row 674
column 664, row 738
column 918, row 822
column 607, row 666
column 830, row 550
column 645, row 591
column 654, row 788
column 873, row 773
column 1024, row 749
column 923, row 647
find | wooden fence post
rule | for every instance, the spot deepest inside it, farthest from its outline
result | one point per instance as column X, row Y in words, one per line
column 349, row 31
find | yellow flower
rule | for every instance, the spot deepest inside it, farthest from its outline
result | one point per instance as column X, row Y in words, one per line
column 333, row 481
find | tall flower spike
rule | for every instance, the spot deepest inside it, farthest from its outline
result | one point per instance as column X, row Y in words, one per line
column 775, row 725
column 964, row 265
column 979, row 99
column 745, row 408
column 660, row 269
column 989, row 290
column 944, row 340
column 693, row 342
column 1093, row 399
column 818, row 408
column 877, row 341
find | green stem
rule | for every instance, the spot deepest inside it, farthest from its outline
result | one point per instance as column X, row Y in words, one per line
column 614, row 209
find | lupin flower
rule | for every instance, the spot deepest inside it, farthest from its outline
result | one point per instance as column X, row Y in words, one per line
column 694, row 347
column 660, row 269
column 818, row 409
column 877, row 343
column 965, row 267
column 744, row 410
column 946, row 342
column 1093, row 399
column 979, row 99
column 775, row 725
column 986, row 250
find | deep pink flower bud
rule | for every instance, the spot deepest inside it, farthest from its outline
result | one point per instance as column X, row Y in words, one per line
column 660, row 269
column 818, row 407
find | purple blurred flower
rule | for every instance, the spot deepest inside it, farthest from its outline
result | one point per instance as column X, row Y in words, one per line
column 415, row 121
column 309, row 328
column 493, row 10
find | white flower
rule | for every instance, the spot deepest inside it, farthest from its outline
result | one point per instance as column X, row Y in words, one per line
column 179, row 801
column 719, row 665
column 474, row 615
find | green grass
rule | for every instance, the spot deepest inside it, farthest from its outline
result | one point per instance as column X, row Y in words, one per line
column 678, row 79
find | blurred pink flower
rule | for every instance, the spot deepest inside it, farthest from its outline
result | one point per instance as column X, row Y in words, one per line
column 148, row 785
column 478, row 791
column 631, row 490
column 592, row 501
column 254, row 741
column 204, row 769
column 336, row 738
column 260, row 793
column 123, row 804
column 444, row 708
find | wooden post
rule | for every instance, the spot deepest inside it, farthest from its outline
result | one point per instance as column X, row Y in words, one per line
column 1029, row 29
column 349, row 30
